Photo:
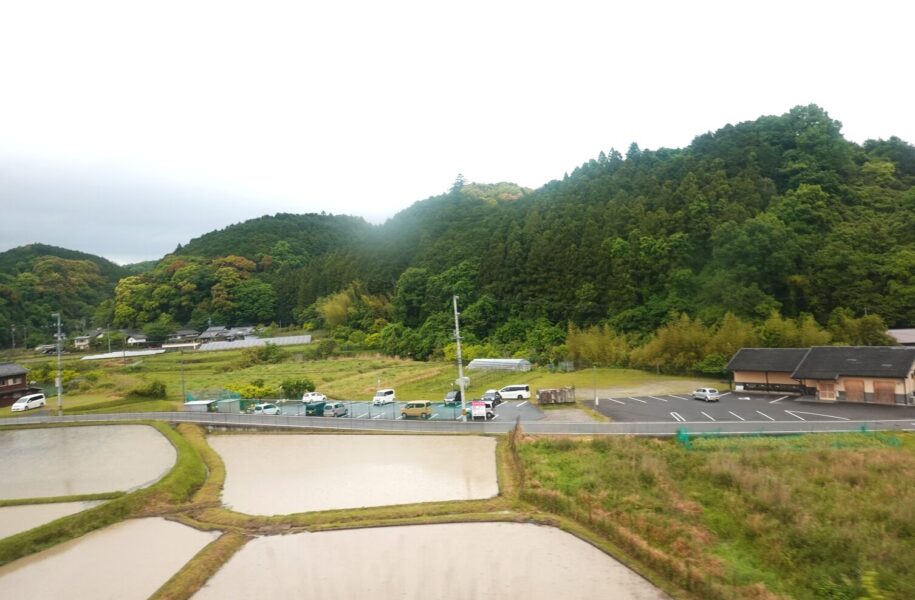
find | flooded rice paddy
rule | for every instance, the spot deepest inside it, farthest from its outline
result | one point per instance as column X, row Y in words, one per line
column 283, row 474
column 14, row 519
column 463, row 560
column 66, row 461
column 131, row 559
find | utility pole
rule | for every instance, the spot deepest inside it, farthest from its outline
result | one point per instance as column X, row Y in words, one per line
column 60, row 399
column 13, row 336
column 457, row 338
column 108, row 336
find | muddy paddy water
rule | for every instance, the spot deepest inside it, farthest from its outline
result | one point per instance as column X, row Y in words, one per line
column 131, row 559
column 282, row 474
column 66, row 461
column 462, row 560
column 14, row 519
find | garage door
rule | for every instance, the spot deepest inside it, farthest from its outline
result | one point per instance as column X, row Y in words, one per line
column 885, row 392
column 854, row 390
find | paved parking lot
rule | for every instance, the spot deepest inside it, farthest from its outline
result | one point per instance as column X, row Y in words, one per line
column 741, row 407
column 507, row 411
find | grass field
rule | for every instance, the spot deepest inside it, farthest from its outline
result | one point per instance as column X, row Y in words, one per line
column 817, row 516
column 103, row 385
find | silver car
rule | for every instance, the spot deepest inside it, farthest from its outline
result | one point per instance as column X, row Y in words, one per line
column 335, row 409
column 707, row 394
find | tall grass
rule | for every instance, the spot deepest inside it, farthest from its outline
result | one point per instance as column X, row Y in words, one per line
column 829, row 516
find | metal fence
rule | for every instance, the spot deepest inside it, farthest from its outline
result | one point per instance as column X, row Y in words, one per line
column 532, row 427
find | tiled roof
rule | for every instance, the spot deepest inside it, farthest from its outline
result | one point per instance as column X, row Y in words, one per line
column 903, row 336
column 771, row 360
column 8, row 369
column 830, row 362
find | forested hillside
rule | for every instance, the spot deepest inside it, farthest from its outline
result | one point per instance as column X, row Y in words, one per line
column 779, row 220
column 36, row 280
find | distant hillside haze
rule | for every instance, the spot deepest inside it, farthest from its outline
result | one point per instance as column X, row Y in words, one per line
column 778, row 215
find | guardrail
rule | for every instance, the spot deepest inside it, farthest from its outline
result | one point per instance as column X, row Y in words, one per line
column 657, row 429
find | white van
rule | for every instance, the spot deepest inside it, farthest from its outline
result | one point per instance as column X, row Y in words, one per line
column 383, row 397
column 29, row 402
column 515, row 392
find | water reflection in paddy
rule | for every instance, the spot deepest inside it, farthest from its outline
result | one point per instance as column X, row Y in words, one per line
column 64, row 461
column 282, row 474
column 131, row 559
column 463, row 560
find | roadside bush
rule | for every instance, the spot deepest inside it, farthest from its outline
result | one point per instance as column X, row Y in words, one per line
column 294, row 388
column 152, row 389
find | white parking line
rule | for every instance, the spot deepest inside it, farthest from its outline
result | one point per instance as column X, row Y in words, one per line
column 677, row 397
column 656, row 398
column 614, row 400
column 724, row 394
column 777, row 400
column 817, row 415
column 765, row 415
column 678, row 417
column 638, row 400
column 494, row 417
column 796, row 416
column 708, row 416
column 736, row 415
column 434, row 415
column 362, row 415
column 377, row 416
column 522, row 404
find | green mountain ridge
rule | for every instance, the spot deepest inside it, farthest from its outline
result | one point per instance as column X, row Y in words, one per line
column 778, row 214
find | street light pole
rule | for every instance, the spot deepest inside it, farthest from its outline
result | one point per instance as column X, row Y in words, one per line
column 457, row 338
column 60, row 399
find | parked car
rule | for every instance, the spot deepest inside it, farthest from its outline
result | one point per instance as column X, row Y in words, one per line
column 516, row 391
column 493, row 397
column 707, row 394
column 421, row 409
column 453, row 397
column 315, row 408
column 313, row 397
column 383, row 397
column 29, row 402
column 335, row 409
column 267, row 409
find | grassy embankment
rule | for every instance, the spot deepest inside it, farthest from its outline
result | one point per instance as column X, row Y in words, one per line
column 105, row 386
column 818, row 516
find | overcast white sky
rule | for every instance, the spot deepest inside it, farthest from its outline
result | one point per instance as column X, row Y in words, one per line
column 127, row 128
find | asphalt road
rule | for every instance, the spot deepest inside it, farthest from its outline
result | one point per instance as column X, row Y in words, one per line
column 739, row 407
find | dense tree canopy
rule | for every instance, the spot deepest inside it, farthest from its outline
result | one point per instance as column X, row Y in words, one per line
column 777, row 227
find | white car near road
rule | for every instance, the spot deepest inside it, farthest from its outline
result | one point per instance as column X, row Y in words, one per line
column 267, row 409
column 313, row 397
column 28, row 402
column 382, row 397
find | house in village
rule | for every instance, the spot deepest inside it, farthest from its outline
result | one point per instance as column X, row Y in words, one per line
column 14, row 383
column 872, row 374
column 903, row 337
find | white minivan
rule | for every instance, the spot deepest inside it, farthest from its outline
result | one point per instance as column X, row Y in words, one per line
column 515, row 392
column 383, row 397
column 29, row 402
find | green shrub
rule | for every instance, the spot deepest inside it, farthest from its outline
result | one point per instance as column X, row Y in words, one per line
column 152, row 389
